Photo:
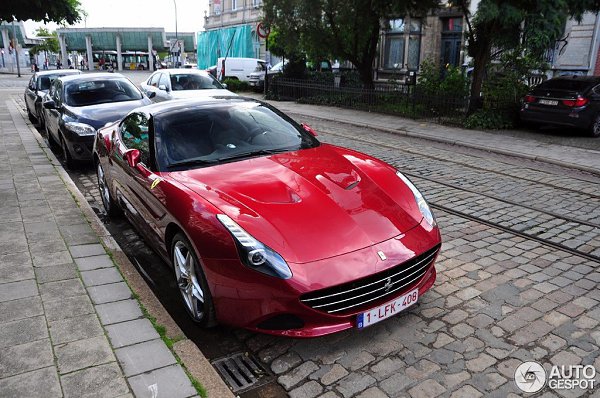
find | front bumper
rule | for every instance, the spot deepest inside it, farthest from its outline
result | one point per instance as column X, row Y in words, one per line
column 80, row 147
column 248, row 299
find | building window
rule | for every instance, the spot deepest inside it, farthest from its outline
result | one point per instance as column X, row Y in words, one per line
column 256, row 3
column 402, row 44
column 233, row 5
column 217, row 7
column 451, row 41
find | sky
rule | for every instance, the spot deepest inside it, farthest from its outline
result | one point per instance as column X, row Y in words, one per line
column 137, row 14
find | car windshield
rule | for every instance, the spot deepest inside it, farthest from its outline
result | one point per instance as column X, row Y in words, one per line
column 194, row 81
column 92, row 92
column 278, row 66
column 190, row 138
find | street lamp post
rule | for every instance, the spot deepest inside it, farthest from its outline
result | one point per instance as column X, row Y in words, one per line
column 16, row 45
column 176, row 36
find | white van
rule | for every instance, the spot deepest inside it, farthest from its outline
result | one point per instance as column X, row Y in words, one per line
column 239, row 68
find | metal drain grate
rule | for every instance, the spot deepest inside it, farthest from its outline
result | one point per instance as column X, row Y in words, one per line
column 241, row 371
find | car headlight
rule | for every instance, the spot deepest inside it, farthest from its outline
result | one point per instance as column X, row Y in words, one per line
column 80, row 129
column 255, row 254
column 421, row 202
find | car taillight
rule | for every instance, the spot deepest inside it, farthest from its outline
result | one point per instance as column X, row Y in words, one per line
column 576, row 103
column 529, row 99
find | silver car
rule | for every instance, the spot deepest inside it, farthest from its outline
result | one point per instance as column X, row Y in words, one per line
column 168, row 84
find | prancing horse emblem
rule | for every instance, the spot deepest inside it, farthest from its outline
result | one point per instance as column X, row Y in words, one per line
column 381, row 255
column 388, row 284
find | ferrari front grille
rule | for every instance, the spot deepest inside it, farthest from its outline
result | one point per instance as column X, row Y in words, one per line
column 348, row 296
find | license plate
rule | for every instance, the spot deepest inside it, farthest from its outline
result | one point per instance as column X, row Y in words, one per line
column 387, row 310
column 548, row 102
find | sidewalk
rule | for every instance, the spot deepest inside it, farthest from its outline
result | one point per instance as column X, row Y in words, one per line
column 69, row 323
column 567, row 156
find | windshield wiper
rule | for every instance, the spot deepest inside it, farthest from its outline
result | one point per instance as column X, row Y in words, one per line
column 253, row 153
column 191, row 162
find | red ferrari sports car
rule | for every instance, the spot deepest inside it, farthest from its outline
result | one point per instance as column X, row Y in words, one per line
column 267, row 228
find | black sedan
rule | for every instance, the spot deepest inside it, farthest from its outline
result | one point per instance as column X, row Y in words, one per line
column 569, row 101
column 76, row 106
column 38, row 86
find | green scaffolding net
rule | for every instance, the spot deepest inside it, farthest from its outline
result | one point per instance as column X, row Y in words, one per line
column 231, row 42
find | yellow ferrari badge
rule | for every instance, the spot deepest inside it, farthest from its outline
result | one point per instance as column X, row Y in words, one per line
column 155, row 183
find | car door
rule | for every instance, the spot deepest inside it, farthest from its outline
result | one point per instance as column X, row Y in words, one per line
column 53, row 115
column 31, row 94
column 164, row 88
column 141, row 190
column 151, row 85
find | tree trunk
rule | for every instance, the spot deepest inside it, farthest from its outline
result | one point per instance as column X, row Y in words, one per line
column 480, row 61
column 365, row 72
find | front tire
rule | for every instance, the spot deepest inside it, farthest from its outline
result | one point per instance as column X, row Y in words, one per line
column 69, row 161
column 52, row 144
column 594, row 129
column 191, row 282
column 110, row 206
column 31, row 117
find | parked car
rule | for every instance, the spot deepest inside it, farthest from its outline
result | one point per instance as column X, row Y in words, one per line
column 570, row 101
column 257, row 79
column 171, row 84
column 238, row 68
column 76, row 106
column 267, row 228
column 38, row 86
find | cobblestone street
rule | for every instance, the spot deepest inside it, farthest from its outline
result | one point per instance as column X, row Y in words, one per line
column 518, row 280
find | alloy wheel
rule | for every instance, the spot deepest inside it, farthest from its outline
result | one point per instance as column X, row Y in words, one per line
column 104, row 192
column 187, row 280
column 596, row 127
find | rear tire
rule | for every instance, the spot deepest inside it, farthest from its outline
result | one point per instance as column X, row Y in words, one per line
column 594, row 129
column 191, row 282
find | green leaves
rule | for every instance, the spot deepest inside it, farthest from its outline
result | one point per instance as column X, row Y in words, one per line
column 59, row 11
column 337, row 29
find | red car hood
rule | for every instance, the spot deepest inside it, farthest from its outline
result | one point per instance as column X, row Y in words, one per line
column 310, row 204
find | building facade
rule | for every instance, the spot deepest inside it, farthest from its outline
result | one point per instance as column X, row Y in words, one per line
column 230, row 30
column 576, row 52
column 406, row 42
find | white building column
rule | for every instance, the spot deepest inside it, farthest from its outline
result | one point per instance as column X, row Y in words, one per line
column 63, row 50
column 150, row 63
column 89, row 52
column 119, row 54
column 6, row 43
column 181, row 51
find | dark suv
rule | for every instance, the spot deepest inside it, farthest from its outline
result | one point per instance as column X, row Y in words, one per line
column 571, row 101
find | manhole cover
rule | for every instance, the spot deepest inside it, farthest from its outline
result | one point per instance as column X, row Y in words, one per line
column 241, row 371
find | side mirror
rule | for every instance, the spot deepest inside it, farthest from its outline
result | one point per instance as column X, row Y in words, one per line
column 162, row 87
column 133, row 157
column 309, row 129
column 151, row 94
column 49, row 104
column 224, row 85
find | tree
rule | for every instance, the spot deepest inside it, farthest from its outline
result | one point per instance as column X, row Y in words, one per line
column 59, row 11
column 50, row 44
column 346, row 29
column 530, row 27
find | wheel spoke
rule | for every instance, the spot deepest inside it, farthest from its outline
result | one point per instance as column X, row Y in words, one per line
column 197, row 290
column 180, row 263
